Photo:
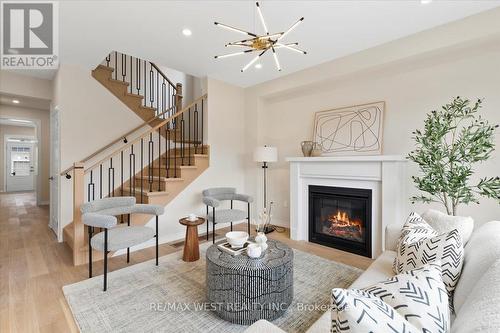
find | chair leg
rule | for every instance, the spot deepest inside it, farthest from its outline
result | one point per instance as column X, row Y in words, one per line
column 231, row 208
column 90, row 252
column 207, row 222
column 156, row 240
column 105, row 259
column 248, row 218
column 128, row 248
column 213, row 228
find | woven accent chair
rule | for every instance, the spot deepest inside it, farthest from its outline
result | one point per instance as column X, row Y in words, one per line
column 102, row 214
column 213, row 197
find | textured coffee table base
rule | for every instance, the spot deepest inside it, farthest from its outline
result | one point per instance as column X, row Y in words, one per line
column 244, row 290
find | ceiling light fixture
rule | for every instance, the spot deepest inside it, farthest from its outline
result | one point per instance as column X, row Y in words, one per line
column 258, row 66
column 262, row 43
column 425, row 2
column 15, row 101
column 187, row 32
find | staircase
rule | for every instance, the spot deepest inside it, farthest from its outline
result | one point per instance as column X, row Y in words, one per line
column 155, row 166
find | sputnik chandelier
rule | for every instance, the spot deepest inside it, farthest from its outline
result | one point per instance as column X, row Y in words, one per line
column 260, row 43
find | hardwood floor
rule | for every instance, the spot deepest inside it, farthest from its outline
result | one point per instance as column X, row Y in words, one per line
column 34, row 266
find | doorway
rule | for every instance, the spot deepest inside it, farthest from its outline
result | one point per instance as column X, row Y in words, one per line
column 20, row 164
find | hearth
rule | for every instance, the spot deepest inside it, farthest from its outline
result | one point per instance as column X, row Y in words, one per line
column 340, row 217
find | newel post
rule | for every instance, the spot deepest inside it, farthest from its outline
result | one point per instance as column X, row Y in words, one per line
column 178, row 97
column 78, row 200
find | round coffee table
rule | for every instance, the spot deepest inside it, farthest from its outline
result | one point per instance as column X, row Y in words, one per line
column 243, row 290
column 191, row 244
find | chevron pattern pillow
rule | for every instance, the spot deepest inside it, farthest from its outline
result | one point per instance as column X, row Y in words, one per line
column 414, row 301
column 420, row 244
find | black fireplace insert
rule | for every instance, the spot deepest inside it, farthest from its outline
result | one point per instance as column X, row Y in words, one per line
column 340, row 217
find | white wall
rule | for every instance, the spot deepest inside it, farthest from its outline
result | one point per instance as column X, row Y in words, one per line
column 281, row 112
column 90, row 118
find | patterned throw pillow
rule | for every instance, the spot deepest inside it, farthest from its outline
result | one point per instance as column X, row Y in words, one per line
column 419, row 244
column 414, row 301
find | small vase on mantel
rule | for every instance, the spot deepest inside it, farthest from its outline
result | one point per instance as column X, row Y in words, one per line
column 261, row 240
column 307, row 147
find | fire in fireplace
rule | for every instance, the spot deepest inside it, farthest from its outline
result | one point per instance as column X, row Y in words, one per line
column 341, row 225
column 341, row 218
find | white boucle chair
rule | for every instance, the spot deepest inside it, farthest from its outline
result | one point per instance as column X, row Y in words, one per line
column 102, row 214
column 213, row 197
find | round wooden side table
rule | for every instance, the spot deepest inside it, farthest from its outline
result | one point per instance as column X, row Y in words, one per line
column 191, row 245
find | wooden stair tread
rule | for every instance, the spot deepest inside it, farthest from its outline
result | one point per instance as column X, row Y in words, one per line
column 145, row 190
column 106, row 68
column 163, row 179
column 119, row 82
column 134, row 95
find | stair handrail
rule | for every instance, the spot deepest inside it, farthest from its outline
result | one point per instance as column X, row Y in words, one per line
column 152, row 130
column 163, row 75
column 120, row 138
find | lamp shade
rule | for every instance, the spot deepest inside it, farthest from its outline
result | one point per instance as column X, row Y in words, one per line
column 265, row 154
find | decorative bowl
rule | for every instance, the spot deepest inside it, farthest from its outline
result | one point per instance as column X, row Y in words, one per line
column 237, row 238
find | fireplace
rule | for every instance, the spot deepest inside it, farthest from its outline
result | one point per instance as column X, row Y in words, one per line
column 340, row 217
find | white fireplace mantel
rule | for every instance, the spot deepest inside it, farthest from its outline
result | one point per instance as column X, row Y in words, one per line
column 385, row 175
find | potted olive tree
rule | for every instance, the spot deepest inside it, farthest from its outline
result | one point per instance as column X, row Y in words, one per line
column 454, row 139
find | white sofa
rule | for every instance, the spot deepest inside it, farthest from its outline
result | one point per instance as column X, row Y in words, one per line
column 477, row 295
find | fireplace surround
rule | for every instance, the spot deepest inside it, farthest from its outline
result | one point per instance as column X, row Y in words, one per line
column 340, row 217
column 384, row 175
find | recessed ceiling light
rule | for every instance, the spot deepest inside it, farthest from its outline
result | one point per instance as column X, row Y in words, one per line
column 425, row 2
column 15, row 101
column 187, row 32
column 258, row 66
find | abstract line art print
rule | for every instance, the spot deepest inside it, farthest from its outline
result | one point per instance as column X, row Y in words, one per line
column 350, row 130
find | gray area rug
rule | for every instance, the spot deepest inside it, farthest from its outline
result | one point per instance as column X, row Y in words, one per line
column 171, row 297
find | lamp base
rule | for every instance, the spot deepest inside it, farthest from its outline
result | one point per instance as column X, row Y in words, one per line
column 269, row 228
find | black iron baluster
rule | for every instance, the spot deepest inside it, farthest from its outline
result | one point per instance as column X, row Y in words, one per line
column 163, row 98
column 169, row 101
column 159, row 158
column 151, row 85
column 183, row 139
column 167, row 147
column 150, row 162
column 111, row 179
column 116, row 65
column 121, row 173
column 131, row 171
column 157, row 94
column 202, row 125
column 100, row 181
column 131, row 74
column 145, row 83
column 124, row 67
column 90, row 185
column 196, row 128
column 175, row 148
column 189, row 136
column 108, row 59
column 138, row 75
column 142, row 168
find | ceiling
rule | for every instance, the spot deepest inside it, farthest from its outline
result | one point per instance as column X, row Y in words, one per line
column 331, row 29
